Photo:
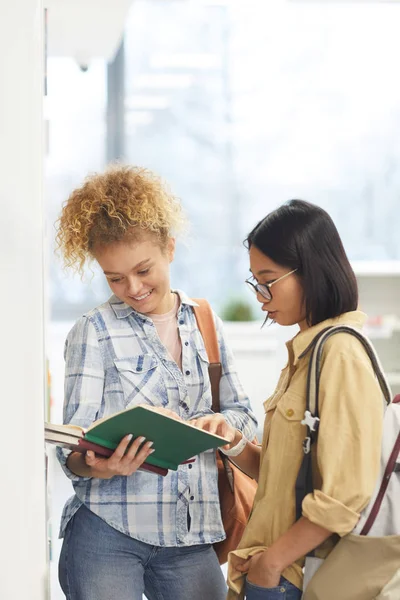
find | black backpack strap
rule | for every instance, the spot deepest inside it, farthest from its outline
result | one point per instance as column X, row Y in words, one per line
column 304, row 482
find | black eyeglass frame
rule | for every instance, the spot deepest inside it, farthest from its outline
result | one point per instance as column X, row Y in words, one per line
column 265, row 288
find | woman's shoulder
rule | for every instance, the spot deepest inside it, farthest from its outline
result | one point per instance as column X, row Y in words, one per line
column 194, row 303
column 346, row 345
column 96, row 319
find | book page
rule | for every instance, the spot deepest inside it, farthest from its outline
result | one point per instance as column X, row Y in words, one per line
column 164, row 412
column 72, row 429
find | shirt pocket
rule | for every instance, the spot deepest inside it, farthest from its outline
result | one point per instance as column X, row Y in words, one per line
column 291, row 407
column 286, row 426
column 141, row 380
column 202, row 354
column 199, row 385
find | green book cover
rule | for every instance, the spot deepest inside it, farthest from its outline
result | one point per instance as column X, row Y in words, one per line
column 174, row 441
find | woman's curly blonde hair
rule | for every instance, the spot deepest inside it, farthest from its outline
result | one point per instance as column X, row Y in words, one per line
column 117, row 205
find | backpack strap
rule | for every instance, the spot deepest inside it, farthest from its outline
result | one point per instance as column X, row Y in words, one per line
column 304, row 482
column 314, row 368
column 206, row 324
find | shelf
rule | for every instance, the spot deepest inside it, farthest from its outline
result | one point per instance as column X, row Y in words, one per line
column 393, row 378
column 383, row 331
column 376, row 268
column 250, row 347
column 248, row 338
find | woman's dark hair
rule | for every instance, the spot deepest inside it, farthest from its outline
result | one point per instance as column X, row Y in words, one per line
column 299, row 235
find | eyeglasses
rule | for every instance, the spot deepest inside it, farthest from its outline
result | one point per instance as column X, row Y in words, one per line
column 265, row 288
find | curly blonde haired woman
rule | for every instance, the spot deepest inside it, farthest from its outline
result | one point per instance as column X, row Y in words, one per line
column 128, row 532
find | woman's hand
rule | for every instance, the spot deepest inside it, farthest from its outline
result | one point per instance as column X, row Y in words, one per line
column 120, row 463
column 261, row 571
column 216, row 423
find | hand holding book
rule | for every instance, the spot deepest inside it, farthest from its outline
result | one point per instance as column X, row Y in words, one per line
column 124, row 460
column 127, row 458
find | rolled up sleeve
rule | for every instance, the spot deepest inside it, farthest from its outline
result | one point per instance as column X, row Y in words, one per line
column 349, row 441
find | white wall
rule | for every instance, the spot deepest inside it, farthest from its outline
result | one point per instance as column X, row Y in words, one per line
column 22, row 468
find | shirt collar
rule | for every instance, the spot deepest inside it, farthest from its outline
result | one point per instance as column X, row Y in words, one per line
column 123, row 310
column 300, row 344
column 185, row 298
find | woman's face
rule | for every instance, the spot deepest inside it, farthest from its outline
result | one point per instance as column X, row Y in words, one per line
column 138, row 273
column 287, row 305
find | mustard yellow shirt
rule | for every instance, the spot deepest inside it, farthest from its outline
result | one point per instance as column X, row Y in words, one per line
column 347, row 454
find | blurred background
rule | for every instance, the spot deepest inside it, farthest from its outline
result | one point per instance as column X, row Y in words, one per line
column 240, row 106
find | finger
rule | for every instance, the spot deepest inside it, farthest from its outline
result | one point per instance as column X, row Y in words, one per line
column 215, row 427
column 228, row 433
column 203, row 423
column 90, row 458
column 218, row 425
column 140, row 458
column 121, row 448
column 134, row 449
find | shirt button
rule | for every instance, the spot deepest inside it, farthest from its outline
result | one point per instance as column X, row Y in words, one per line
column 192, row 497
column 186, row 343
column 181, row 322
column 190, row 466
column 290, row 412
column 187, row 372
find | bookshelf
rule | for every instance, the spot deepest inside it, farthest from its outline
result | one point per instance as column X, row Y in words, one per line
column 376, row 268
column 379, row 287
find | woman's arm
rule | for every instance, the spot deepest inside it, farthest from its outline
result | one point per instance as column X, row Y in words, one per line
column 249, row 458
column 264, row 569
column 84, row 387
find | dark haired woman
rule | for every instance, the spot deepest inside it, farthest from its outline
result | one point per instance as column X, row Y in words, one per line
column 301, row 275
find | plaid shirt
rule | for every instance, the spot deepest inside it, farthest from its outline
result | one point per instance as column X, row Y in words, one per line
column 114, row 360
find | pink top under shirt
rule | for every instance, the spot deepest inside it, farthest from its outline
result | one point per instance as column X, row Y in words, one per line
column 167, row 329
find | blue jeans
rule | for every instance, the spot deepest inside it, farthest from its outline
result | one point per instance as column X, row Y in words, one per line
column 284, row 591
column 98, row 562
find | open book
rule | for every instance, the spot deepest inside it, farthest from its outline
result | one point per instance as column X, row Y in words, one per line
column 174, row 441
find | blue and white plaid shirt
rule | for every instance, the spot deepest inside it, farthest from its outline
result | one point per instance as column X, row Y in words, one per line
column 114, row 360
